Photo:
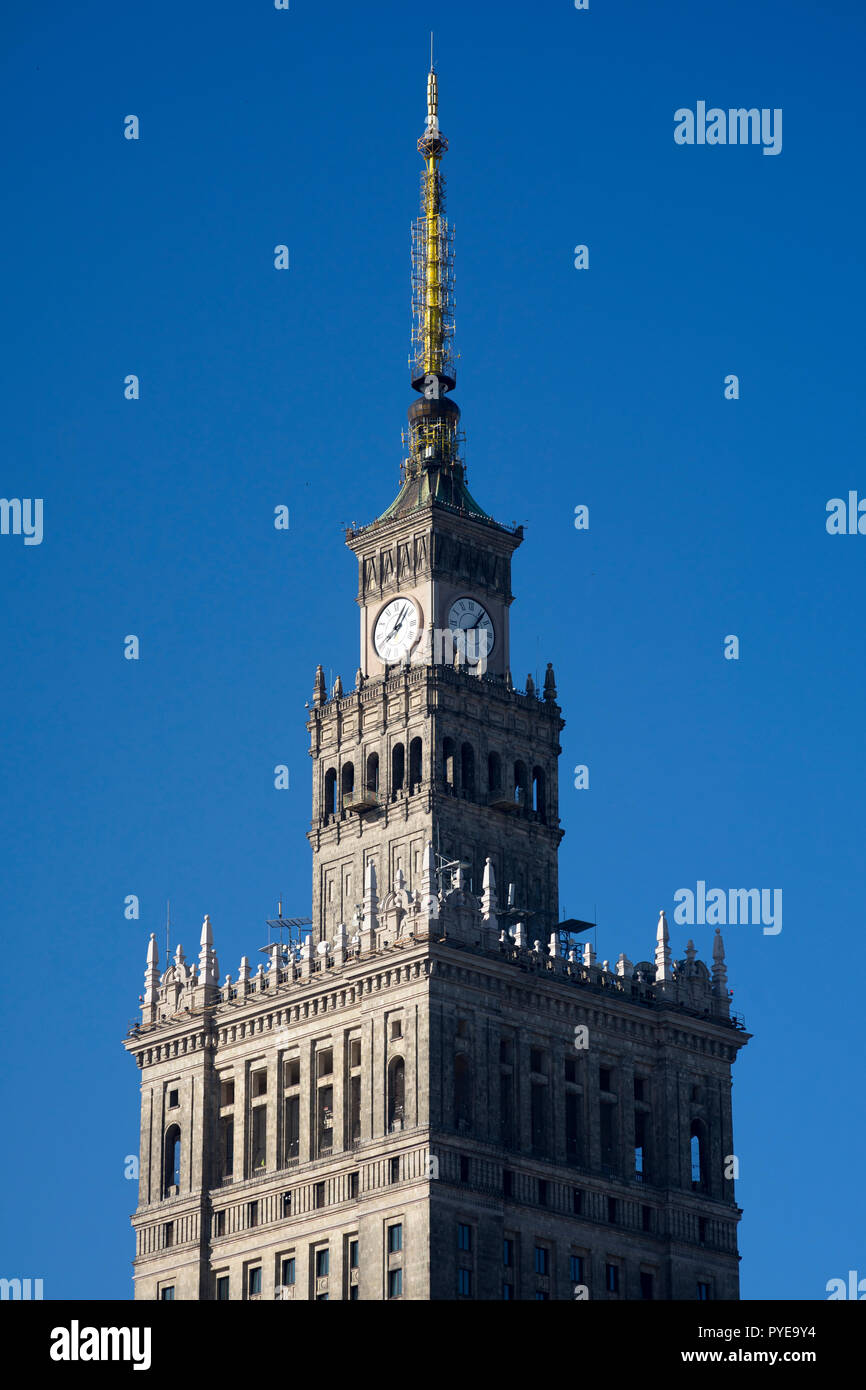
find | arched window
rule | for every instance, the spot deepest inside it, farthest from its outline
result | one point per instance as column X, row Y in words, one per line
column 467, row 769
column 330, row 792
column 373, row 773
column 347, row 780
column 398, row 767
column 416, row 762
column 539, row 804
column 494, row 773
column 171, row 1167
column 448, row 754
column 520, row 783
column 699, row 1154
column 462, row 1093
column 396, row 1093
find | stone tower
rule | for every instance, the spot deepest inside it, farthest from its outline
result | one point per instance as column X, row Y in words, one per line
column 438, row 1093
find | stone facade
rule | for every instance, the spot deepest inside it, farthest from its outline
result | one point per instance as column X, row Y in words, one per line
column 439, row 1093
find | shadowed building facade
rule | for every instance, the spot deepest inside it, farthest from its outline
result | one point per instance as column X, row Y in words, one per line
column 437, row 1092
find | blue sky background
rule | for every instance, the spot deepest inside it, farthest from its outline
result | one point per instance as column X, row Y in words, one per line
column 260, row 387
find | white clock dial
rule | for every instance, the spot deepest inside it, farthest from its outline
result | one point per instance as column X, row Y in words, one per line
column 396, row 629
column 468, row 615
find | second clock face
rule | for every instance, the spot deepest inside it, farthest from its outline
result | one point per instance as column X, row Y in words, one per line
column 468, row 614
column 396, row 629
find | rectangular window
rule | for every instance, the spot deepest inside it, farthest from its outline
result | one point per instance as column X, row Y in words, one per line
column 646, row 1284
column 542, row 1192
column 464, row 1236
column 219, row 1222
column 508, row 1253
column 318, row 1195
column 604, row 1079
column 355, row 1052
column 395, row 1283
column 323, row 1263
column 702, row 1229
column 608, row 1145
column 173, row 1099
column 572, row 1124
column 396, row 1028
column 611, row 1210
column 353, row 1254
column 538, row 1109
column 576, row 1201
column 647, row 1218
column 505, row 1051
column 575, row 1269
column 260, row 1083
column 260, row 1138
column 254, row 1280
column 464, row 1283
column 287, row 1270
column 611, row 1278
column 252, row 1213
column 227, row 1147
column 703, row 1292
column 395, row 1169
column 507, row 1182
column 168, row 1234
column 354, row 1179
column 292, row 1111
column 570, row 1069
column 508, row 1291
column 506, row 1109
column 167, row 1294
column 222, row 1288
column 325, row 1127
column 395, row 1239
column 287, row 1204
column 324, row 1062
column 464, row 1168
column 536, row 1059
column 355, row 1109
column 227, row 1092
column 542, row 1259
column 639, row 1088
column 293, row 1071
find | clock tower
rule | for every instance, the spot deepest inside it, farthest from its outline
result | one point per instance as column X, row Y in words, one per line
column 434, row 759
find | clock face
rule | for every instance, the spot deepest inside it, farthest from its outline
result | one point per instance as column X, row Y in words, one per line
column 469, row 616
column 396, row 629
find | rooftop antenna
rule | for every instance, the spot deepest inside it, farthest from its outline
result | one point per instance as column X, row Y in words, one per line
column 431, row 50
column 167, row 930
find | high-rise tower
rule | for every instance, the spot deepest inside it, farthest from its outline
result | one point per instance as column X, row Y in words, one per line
column 438, row 1093
column 434, row 744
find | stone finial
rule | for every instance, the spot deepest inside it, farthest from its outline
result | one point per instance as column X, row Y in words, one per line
column 530, row 686
column 519, row 935
column 337, row 692
column 720, row 970
column 399, row 881
column 179, row 957
column 549, row 684
column 244, row 971
column 151, row 973
column 371, row 899
column 588, row 954
column 663, row 959
column 319, row 693
column 207, row 966
column 691, row 951
column 488, row 893
column 553, row 948
column 624, row 967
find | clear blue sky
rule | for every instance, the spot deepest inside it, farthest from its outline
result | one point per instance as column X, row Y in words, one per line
column 260, row 387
